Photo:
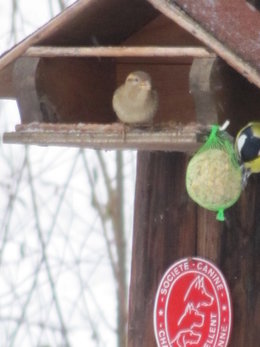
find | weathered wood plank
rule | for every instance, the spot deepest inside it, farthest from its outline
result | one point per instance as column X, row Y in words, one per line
column 164, row 231
column 110, row 51
column 233, row 22
column 166, row 137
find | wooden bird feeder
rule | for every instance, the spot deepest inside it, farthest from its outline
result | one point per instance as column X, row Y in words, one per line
column 203, row 57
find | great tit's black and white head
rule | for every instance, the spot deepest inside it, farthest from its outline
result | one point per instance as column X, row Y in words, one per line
column 248, row 143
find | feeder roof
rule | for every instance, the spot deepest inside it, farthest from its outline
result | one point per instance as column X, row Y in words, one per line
column 230, row 28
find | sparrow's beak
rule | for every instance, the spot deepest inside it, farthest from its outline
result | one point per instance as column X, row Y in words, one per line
column 145, row 85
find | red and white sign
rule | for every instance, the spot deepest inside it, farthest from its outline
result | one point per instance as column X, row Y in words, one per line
column 193, row 306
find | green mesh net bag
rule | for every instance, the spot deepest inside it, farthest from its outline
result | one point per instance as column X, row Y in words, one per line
column 213, row 177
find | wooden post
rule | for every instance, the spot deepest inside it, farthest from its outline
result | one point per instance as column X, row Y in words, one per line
column 240, row 262
column 164, row 230
column 169, row 226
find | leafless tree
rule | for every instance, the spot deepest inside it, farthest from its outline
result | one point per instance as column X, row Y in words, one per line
column 64, row 240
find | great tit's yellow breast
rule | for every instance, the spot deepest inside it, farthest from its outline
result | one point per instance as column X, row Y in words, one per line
column 253, row 165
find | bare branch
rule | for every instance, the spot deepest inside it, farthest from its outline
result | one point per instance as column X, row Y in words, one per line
column 10, row 210
column 62, row 4
column 43, row 247
column 102, row 217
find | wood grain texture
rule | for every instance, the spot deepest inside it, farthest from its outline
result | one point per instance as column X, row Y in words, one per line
column 167, row 137
column 168, row 226
column 71, row 89
column 240, row 262
column 234, row 245
column 209, row 235
column 162, row 31
column 80, row 89
column 88, row 22
column 232, row 22
column 212, row 23
column 164, row 231
column 115, row 52
column 65, row 90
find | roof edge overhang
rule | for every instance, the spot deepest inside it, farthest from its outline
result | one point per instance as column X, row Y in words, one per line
column 40, row 34
column 170, row 9
column 180, row 17
column 64, row 30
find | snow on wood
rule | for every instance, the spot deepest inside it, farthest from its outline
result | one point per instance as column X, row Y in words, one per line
column 166, row 137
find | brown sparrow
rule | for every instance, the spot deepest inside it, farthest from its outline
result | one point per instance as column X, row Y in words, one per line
column 135, row 102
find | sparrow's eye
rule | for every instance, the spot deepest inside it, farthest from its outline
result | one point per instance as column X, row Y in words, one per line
column 133, row 79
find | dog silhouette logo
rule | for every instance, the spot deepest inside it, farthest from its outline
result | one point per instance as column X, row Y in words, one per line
column 185, row 338
column 191, row 314
column 192, row 306
column 187, row 323
column 198, row 294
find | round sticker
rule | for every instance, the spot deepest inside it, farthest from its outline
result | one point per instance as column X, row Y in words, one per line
column 193, row 306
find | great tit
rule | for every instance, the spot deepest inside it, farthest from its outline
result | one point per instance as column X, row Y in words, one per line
column 248, row 147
